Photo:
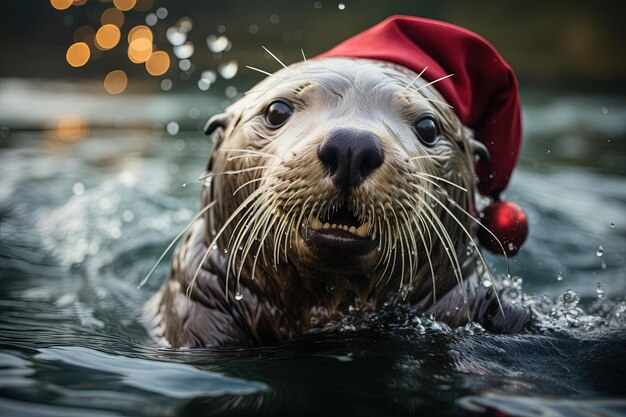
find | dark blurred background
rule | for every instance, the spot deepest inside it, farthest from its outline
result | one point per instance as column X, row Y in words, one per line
column 574, row 45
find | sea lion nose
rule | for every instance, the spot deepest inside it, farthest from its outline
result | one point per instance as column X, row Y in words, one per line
column 350, row 155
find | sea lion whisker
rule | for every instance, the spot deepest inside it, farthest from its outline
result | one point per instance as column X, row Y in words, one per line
column 248, row 182
column 276, row 58
column 398, row 231
column 450, row 246
column 227, row 222
column 167, row 249
column 413, row 158
column 258, row 133
column 414, row 79
column 269, row 74
column 433, row 82
column 240, row 231
column 249, row 154
column 431, row 217
column 443, row 103
column 306, row 64
column 424, row 174
column 260, row 225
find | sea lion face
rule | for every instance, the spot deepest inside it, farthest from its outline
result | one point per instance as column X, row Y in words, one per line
column 339, row 168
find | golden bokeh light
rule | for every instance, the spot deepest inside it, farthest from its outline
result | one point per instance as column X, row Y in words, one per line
column 138, row 32
column 115, row 82
column 79, row 2
column 69, row 128
column 139, row 50
column 78, row 54
column 61, row 4
column 107, row 37
column 158, row 63
column 124, row 5
column 112, row 16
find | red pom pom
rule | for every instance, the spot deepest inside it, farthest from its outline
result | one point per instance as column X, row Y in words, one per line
column 507, row 221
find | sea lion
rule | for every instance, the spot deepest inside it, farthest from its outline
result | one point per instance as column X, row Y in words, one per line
column 335, row 184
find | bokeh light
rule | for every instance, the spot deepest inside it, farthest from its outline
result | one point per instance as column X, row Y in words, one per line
column 107, row 37
column 158, row 63
column 78, row 54
column 140, row 31
column 139, row 50
column 79, row 2
column 144, row 5
column 61, row 4
column 69, row 128
column 112, row 16
column 115, row 82
column 124, row 5
column 84, row 34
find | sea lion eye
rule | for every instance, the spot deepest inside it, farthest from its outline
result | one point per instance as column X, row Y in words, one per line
column 426, row 130
column 277, row 113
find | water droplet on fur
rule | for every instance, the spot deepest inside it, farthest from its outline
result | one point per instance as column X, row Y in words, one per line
column 184, row 184
column 600, row 290
column 548, row 151
column 612, row 225
column 600, row 251
column 225, row 250
column 214, row 247
column 560, row 277
column 487, row 283
column 380, row 248
column 238, row 296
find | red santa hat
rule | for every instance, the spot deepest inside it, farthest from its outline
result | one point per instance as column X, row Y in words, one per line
column 483, row 92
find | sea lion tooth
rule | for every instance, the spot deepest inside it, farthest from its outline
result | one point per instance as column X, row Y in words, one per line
column 363, row 229
column 333, row 226
column 326, row 226
column 316, row 224
column 352, row 230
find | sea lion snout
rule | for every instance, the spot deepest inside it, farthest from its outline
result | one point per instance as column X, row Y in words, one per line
column 350, row 155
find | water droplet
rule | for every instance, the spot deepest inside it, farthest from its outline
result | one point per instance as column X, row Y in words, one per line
column 184, row 51
column 600, row 290
column 214, row 246
column 569, row 299
column 184, row 184
column 612, row 225
column 548, row 151
column 228, row 69
column 380, row 248
column 341, row 6
column 238, row 296
column 487, row 283
column 605, row 110
column 172, row 128
column 225, row 250
column 560, row 277
column 600, row 251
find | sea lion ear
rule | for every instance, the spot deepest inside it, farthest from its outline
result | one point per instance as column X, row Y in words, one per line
column 479, row 150
column 219, row 120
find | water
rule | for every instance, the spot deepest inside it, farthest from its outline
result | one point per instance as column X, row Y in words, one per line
column 84, row 217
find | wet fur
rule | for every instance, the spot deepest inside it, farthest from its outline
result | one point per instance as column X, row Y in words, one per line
column 263, row 283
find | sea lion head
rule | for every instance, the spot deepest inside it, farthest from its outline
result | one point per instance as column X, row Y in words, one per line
column 342, row 171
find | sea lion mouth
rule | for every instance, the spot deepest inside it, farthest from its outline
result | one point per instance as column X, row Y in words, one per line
column 342, row 230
